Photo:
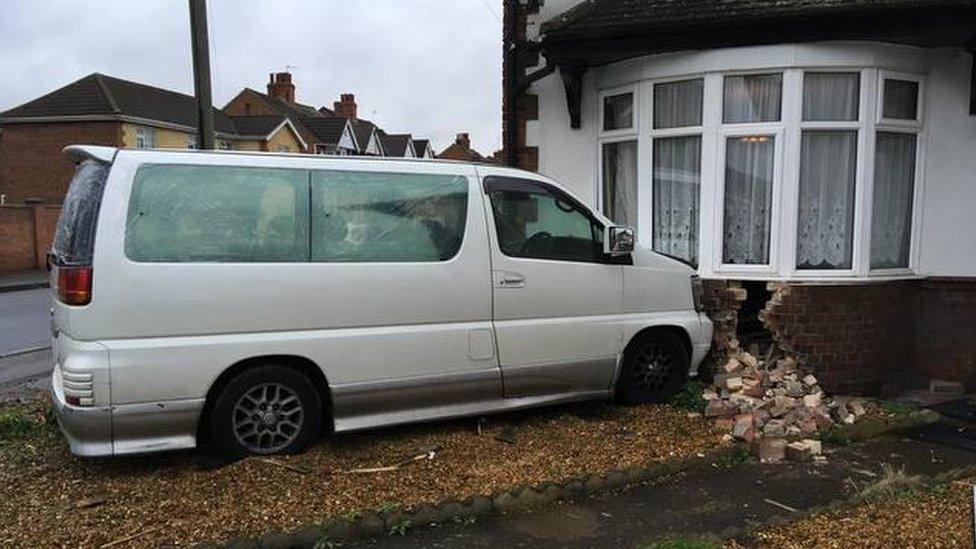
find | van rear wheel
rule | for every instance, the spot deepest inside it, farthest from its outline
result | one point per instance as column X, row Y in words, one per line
column 269, row 409
column 655, row 366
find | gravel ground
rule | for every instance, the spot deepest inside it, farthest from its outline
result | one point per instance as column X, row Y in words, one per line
column 939, row 517
column 50, row 498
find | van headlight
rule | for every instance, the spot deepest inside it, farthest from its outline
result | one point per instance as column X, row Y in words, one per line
column 696, row 293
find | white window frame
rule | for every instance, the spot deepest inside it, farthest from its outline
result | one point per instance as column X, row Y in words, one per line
column 743, row 130
column 861, row 173
column 632, row 89
column 145, row 137
column 645, row 211
column 618, row 136
column 919, row 103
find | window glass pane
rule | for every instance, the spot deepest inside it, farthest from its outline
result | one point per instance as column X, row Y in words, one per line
column 748, row 199
column 900, row 99
column 831, row 96
column 383, row 217
column 894, row 186
column 752, row 98
column 825, row 229
column 620, row 182
column 539, row 225
column 677, row 179
column 678, row 104
column 618, row 111
column 217, row 213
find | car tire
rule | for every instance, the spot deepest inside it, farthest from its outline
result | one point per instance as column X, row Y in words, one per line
column 655, row 366
column 269, row 409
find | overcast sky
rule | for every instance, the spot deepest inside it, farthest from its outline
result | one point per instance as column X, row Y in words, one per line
column 428, row 67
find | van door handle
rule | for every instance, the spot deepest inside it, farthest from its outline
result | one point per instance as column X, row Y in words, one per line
column 510, row 280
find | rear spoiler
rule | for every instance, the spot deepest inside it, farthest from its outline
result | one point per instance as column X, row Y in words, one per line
column 78, row 153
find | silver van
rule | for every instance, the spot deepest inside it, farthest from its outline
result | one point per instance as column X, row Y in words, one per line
column 254, row 301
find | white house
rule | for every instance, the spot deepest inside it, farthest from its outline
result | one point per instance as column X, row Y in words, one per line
column 828, row 146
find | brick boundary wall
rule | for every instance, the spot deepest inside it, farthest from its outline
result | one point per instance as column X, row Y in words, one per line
column 26, row 233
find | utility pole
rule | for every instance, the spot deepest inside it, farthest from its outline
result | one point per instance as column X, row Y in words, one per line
column 201, row 73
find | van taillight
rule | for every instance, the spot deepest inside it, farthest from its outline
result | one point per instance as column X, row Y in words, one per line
column 74, row 284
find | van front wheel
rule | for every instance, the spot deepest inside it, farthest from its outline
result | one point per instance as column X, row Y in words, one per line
column 265, row 410
column 655, row 366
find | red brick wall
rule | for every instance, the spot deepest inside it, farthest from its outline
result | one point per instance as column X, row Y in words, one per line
column 31, row 163
column 857, row 338
column 26, row 233
column 945, row 331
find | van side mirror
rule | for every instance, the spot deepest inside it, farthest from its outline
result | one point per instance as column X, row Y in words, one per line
column 618, row 240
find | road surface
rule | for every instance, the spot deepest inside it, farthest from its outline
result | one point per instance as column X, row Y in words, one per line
column 25, row 320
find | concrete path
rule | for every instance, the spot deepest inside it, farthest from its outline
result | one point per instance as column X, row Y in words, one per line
column 25, row 320
column 719, row 502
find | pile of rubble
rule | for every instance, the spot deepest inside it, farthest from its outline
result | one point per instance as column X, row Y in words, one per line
column 773, row 406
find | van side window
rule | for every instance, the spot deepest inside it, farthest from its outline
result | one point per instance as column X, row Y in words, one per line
column 217, row 214
column 387, row 217
column 535, row 221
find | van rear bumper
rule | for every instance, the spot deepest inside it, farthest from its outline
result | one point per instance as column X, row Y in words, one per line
column 88, row 429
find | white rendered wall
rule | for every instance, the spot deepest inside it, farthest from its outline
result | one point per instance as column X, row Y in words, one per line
column 948, row 231
column 945, row 238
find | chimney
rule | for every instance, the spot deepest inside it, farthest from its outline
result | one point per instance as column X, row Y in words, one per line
column 345, row 106
column 463, row 139
column 280, row 87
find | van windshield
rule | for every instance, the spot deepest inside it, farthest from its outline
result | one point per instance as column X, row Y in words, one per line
column 74, row 239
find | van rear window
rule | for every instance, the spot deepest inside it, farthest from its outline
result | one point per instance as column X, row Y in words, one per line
column 217, row 214
column 74, row 238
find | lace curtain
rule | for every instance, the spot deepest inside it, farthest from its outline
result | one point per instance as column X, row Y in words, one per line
column 894, row 184
column 677, row 179
column 678, row 104
column 620, row 182
column 752, row 98
column 831, row 96
column 825, row 228
column 748, row 199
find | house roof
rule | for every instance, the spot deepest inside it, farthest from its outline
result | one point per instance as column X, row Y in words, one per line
column 364, row 130
column 600, row 31
column 292, row 110
column 98, row 95
column 420, row 146
column 395, row 144
column 257, row 125
column 326, row 129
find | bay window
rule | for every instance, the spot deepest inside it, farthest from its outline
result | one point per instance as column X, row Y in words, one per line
column 786, row 172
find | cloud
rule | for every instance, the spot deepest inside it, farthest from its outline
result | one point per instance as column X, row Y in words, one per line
column 429, row 67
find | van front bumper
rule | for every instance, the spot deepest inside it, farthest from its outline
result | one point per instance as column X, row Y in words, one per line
column 87, row 428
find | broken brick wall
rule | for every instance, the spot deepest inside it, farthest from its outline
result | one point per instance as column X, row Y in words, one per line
column 945, row 331
column 721, row 300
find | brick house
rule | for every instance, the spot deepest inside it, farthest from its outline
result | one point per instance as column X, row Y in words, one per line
column 461, row 150
column 102, row 110
column 816, row 154
column 321, row 128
